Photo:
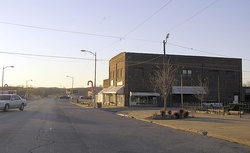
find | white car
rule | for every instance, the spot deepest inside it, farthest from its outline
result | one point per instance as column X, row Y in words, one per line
column 9, row 101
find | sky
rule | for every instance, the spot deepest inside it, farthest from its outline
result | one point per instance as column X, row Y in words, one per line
column 43, row 39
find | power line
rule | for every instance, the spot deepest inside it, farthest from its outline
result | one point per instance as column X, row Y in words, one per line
column 109, row 36
column 147, row 19
column 189, row 18
column 196, row 49
column 121, row 38
column 50, row 56
column 59, row 30
column 139, row 63
column 202, row 51
column 76, row 58
column 124, row 37
column 152, row 62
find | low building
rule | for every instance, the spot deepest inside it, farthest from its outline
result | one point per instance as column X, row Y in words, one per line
column 8, row 91
column 246, row 94
column 129, row 79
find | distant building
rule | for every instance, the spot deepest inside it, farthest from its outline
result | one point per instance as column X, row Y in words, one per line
column 128, row 83
column 8, row 91
column 246, row 94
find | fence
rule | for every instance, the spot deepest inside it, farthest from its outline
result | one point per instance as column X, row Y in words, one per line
column 240, row 108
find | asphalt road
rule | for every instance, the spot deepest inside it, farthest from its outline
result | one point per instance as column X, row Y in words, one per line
column 56, row 126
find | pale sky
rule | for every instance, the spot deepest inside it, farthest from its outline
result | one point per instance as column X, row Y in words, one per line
column 61, row 28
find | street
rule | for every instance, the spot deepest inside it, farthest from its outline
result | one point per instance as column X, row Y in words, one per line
column 51, row 126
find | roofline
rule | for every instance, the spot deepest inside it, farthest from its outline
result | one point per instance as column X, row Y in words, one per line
column 130, row 52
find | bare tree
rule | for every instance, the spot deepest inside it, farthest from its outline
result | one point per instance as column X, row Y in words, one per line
column 201, row 91
column 163, row 81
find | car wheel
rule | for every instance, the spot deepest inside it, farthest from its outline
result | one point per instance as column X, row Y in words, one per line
column 6, row 107
column 21, row 107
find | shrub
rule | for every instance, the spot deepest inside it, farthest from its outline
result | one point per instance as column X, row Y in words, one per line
column 181, row 111
column 163, row 113
column 185, row 114
column 169, row 112
column 176, row 115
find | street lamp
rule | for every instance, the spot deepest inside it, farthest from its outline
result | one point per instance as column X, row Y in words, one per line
column 72, row 86
column 3, row 75
column 94, row 93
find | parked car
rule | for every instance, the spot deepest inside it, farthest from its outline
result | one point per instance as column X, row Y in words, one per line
column 212, row 104
column 10, row 101
column 64, row 97
column 84, row 100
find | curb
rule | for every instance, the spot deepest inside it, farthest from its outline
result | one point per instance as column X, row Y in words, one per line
column 205, row 133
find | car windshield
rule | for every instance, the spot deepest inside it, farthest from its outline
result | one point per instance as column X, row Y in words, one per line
column 5, row 97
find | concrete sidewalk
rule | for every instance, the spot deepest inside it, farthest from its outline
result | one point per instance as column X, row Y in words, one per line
column 230, row 128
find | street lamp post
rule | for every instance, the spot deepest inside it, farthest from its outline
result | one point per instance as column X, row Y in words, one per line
column 27, row 82
column 3, row 76
column 71, row 87
column 26, row 95
column 94, row 93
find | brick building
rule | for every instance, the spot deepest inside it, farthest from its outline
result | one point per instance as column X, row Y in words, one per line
column 246, row 94
column 129, row 79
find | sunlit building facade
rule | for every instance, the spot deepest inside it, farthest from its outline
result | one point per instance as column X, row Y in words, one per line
column 129, row 79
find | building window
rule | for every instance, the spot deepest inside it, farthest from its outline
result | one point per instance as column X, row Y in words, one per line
column 187, row 73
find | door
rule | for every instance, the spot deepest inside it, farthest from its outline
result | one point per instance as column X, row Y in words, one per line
column 15, row 101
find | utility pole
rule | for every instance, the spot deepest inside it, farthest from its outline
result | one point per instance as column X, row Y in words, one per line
column 219, row 88
column 164, row 75
column 181, row 92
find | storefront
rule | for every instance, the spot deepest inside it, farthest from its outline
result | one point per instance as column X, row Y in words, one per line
column 143, row 98
column 113, row 95
column 187, row 94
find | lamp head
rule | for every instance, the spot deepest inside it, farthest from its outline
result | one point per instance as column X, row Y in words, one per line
column 167, row 36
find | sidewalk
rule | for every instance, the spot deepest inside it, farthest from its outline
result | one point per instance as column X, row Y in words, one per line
column 230, row 128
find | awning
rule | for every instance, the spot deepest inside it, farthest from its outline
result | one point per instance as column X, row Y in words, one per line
column 188, row 90
column 102, row 91
column 114, row 90
column 144, row 94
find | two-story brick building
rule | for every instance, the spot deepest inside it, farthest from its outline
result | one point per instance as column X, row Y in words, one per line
column 129, row 74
